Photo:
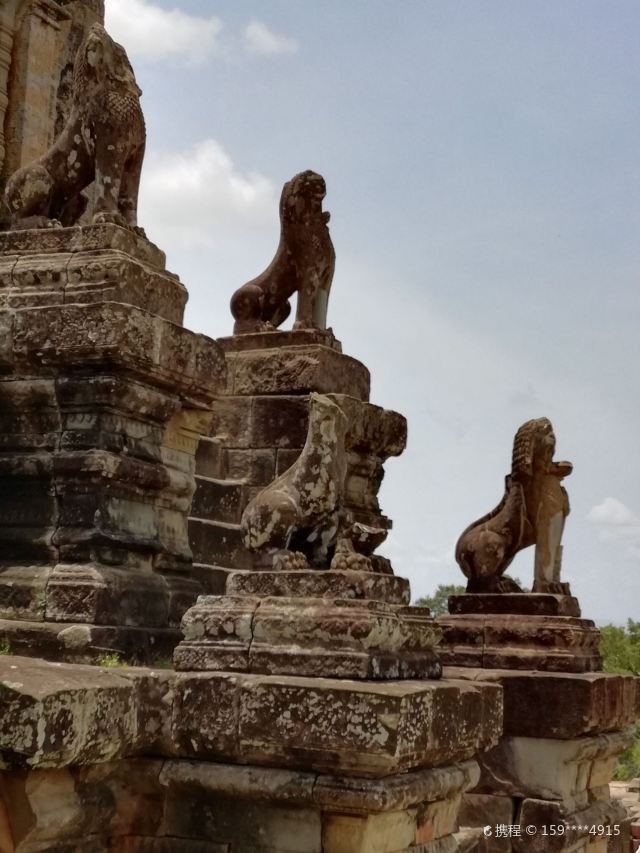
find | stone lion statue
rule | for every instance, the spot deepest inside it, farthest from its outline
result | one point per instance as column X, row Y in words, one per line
column 295, row 520
column 103, row 141
column 531, row 512
column 304, row 263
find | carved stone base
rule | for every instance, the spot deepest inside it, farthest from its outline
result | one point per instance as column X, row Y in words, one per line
column 292, row 363
column 328, row 638
column 321, row 584
column 85, row 264
column 508, row 641
column 525, row 604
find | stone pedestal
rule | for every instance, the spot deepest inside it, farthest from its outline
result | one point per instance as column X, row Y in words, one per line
column 104, row 395
column 520, row 631
column 136, row 759
column 565, row 723
column 313, row 664
column 352, row 621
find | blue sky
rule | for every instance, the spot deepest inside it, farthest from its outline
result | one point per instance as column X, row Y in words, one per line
column 482, row 159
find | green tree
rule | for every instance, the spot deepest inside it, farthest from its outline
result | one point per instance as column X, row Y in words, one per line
column 620, row 649
column 438, row 602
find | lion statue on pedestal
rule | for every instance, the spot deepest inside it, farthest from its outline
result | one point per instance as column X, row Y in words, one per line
column 304, row 263
column 532, row 512
column 103, row 141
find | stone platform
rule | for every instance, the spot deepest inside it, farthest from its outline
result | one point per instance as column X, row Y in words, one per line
column 143, row 759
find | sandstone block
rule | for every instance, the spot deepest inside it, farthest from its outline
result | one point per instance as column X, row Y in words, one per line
column 314, row 584
column 220, row 544
column 343, row 638
column 52, row 716
column 296, row 370
column 221, row 499
column 508, row 641
column 382, row 833
column 556, row 705
column 486, row 810
column 254, row 467
column 82, row 239
column 550, row 769
column 525, row 604
column 352, row 728
column 122, row 336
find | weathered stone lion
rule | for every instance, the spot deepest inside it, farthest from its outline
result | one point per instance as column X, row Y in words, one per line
column 296, row 518
column 304, row 263
column 532, row 512
column 103, row 141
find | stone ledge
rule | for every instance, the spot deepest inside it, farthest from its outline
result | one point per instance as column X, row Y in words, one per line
column 330, row 725
column 314, row 584
column 278, row 338
column 82, row 238
column 551, row 769
column 332, row 793
column 525, row 604
column 117, row 335
column 296, row 370
column 56, row 715
column 82, row 644
column 560, row 705
column 520, row 642
column 197, row 807
column 104, row 275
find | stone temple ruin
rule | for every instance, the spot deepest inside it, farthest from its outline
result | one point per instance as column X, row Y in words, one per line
column 165, row 496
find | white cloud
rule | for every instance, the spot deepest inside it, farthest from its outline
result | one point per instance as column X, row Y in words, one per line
column 617, row 523
column 259, row 39
column 148, row 31
column 198, row 197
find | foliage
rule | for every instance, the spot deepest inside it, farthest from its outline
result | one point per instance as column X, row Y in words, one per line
column 620, row 649
column 628, row 766
column 438, row 602
column 5, row 648
column 111, row 659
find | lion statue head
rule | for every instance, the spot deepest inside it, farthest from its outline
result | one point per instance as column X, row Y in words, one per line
column 533, row 447
column 302, row 197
